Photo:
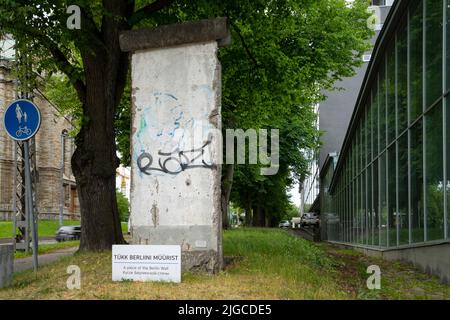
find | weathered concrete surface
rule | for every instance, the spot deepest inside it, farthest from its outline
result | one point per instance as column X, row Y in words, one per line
column 431, row 258
column 176, row 34
column 6, row 264
column 175, row 171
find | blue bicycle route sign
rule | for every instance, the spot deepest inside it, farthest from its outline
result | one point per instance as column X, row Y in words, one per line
column 22, row 120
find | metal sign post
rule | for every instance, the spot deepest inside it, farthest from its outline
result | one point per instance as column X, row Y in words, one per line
column 22, row 121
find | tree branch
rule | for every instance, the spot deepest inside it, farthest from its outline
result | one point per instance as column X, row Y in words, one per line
column 61, row 61
column 65, row 66
column 144, row 12
column 244, row 44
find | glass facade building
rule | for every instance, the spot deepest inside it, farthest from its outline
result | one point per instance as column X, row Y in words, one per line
column 391, row 184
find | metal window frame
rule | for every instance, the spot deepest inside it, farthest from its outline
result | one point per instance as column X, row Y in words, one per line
column 386, row 144
column 352, row 194
column 397, row 203
column 424, row 122
column 444, row 111
column 408, row 116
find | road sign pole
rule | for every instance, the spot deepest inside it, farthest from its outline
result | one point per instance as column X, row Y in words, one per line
column 22, row 120
column 29, row 204
column 62, row 199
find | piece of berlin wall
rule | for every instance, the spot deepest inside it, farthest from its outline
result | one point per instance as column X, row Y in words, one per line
column 176, row 156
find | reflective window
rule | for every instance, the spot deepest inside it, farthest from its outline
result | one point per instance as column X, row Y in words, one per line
column 392, row 197
column 383, row 201
column 369, row 134
column 393, row 187
column 364, row 141
column 416, row 173
column 448, row 43
column 416, row 61
column 391, row 93
column 447, row 183
column 382, row 106
column 375, row 135
column 403, row 206
column 402, row 78
column 369, row 212
column 375, row 219
column 434, row 174
column 363, row 208
column 434, row 23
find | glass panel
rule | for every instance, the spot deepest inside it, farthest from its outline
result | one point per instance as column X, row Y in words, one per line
column 369, row 206
column 416, row 155
column 434, row 174
column 341, row 217
column 363, row 207
column 448, row 44
column 402, row 78
column 383, row 201
column 447, row 184
column 375, row 123
column 403, row 208
column 382, row 106
column 363, row 141
column 346, row 215
column 375, row 205
column 357, row 151
column 433, row 47
column 416, row 54
column 392, row 198
column 354, row 212
column 358, row 210
column 391, row 93
column 369, row 134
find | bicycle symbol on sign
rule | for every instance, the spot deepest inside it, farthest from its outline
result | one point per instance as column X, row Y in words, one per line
column 23, row 130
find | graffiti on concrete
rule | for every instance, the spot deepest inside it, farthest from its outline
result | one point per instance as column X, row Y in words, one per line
column 175, row 162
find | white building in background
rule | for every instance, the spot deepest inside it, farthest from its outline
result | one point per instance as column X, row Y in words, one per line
column 123, row 182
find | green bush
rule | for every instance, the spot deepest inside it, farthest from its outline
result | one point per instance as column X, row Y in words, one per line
column 123, row 206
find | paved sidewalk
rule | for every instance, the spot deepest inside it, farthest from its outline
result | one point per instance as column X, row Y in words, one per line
column 27, row 263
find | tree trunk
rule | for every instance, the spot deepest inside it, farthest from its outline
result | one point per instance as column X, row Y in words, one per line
column 261, row 217
column 258, row 216
column 267, row 218
column 255, row 216
column 248, row 211
column 227, row 183
column 94, row 162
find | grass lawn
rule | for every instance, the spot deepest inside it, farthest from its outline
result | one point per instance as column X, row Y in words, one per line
column 274, row 265
column 46, row 228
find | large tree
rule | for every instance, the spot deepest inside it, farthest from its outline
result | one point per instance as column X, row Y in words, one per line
column 283, row 53
column 97, row 68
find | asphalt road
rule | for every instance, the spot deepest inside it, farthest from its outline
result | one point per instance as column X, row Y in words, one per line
column 27, row 263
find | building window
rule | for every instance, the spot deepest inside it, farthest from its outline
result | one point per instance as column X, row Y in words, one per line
column 434, row 174
column 402, row 78
column 394, row 190
column 416, row 174
column 378, row 2
column 434, row 27
column 416, row 61
column 402, row 216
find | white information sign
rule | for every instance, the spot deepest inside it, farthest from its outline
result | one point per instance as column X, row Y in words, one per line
column 146, row 263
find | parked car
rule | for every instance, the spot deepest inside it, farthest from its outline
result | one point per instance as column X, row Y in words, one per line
column 67, row 233
column 295, row 222
column 309, row 219
column 284, row 224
